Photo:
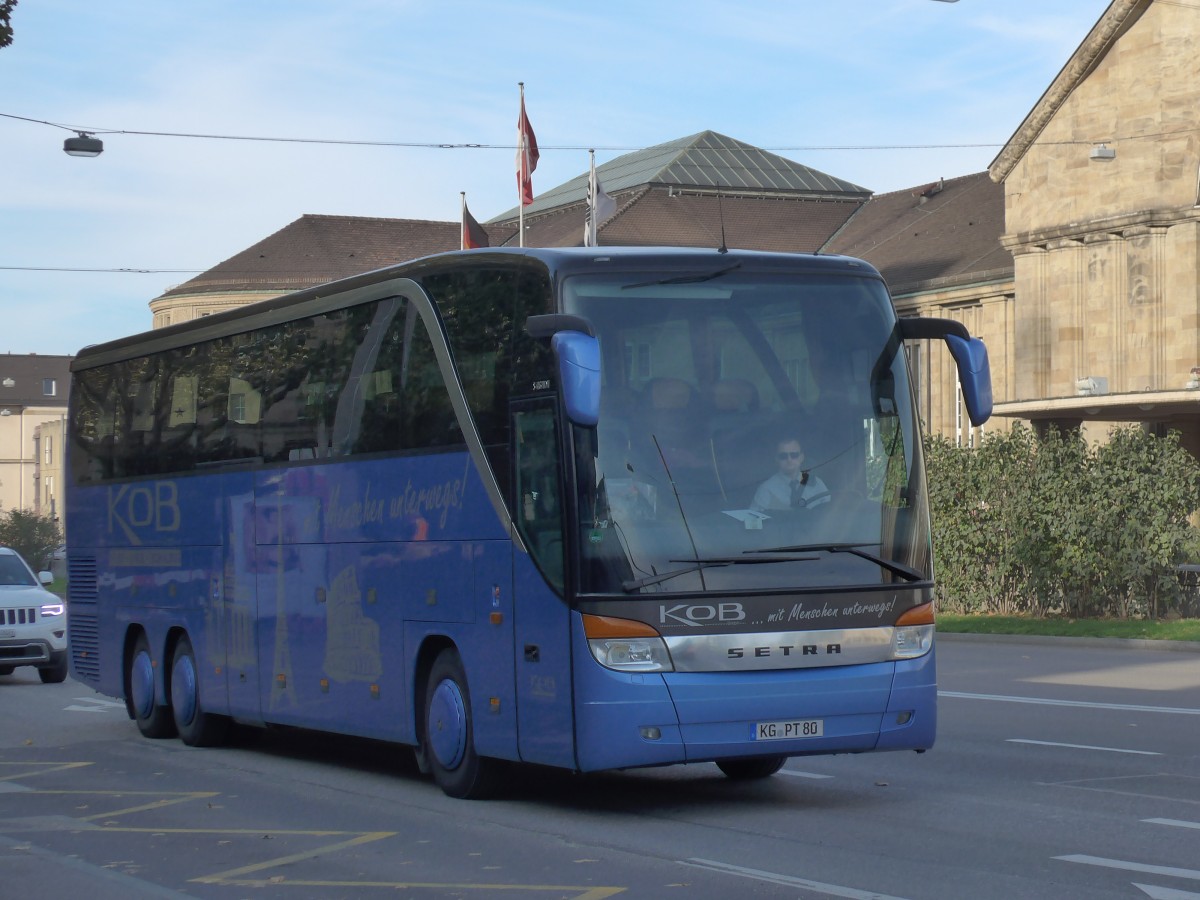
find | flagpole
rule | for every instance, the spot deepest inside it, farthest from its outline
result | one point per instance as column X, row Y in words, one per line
column 462, row 222
column 520, row 195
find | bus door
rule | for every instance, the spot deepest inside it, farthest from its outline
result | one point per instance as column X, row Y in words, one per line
column 542, row 619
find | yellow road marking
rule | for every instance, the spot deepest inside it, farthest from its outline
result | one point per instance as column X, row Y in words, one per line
column 235, row 877
column 364, row 838
column 49, row 767
column 146, row 807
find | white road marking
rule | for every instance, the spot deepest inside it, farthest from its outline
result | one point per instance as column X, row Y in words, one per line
column 1177, row 823
column 1082, row 704
column 1127, row 866
column 796, row 774
column 97, row 704
column 832, row 890
column 1161, row 893
column 1081, row 747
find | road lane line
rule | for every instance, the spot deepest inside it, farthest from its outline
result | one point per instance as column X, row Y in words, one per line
column 796, row 774
column 1127, row 866
column 1154, row 892
column 1082, row 704
column 832, row 890
column 1177, row 823
column 1080, row 747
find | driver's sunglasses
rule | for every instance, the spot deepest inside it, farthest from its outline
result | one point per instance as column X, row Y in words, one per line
column 789, row 454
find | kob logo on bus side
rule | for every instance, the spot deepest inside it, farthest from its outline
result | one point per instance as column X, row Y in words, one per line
column 134, row 508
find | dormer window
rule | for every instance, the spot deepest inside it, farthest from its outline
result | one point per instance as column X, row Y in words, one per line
column 49, row 387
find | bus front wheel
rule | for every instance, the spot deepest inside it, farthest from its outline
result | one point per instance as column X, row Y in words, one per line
column 449, row 739
column 153, row 721
column 196, row 727
column 749, row 769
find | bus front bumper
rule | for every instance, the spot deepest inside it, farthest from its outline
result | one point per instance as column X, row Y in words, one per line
column 638, row 720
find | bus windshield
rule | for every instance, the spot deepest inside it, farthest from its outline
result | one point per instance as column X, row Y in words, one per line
column 756, row 433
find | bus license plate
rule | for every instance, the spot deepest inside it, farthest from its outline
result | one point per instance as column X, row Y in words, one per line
column 787, row 730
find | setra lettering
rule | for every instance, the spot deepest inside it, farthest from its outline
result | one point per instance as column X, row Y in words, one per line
column 782, row 650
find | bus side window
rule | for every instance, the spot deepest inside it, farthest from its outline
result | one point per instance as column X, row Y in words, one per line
column 539, row 497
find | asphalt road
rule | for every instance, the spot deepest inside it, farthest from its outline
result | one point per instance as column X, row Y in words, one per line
column 1062, row 770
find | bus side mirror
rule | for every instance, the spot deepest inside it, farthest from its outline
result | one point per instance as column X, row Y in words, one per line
column 578, row 356
column 974, row 375
column 970, row 356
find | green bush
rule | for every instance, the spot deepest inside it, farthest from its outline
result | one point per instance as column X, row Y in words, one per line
column 34, row 537
column 1050, row 526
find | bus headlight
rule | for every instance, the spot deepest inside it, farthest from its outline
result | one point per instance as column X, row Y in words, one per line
column 626, row 645
column 632, row 654
column 913, row 634
column 910, row 641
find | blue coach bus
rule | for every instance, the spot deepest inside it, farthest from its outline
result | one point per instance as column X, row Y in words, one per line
column 507, row 505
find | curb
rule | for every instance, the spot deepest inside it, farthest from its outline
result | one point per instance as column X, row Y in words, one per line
column 1114, row 643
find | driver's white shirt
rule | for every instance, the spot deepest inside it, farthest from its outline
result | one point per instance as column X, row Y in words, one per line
column 776, row 493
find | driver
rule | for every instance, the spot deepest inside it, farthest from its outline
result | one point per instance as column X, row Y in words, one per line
column 792, row 487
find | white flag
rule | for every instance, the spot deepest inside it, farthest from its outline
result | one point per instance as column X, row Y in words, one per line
column 600, row 206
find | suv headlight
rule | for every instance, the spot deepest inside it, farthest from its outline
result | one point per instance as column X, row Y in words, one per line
column 50, row 610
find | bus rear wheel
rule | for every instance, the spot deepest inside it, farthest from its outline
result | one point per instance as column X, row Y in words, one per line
column 449, row 738
column 750, row 769
column 196, row 727
column 153, row 721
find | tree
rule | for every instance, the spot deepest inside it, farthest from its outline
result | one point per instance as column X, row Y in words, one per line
column 6, row 32
column 34, row 537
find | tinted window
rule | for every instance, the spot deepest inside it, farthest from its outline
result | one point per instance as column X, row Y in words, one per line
column 358, row 380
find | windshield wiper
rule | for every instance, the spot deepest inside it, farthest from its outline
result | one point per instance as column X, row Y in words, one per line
column 697, row 564
column 684, row 279
column 895, row 568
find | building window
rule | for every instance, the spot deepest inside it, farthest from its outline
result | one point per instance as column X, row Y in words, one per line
column 965, row 434
column 49, row 387
column 48, row 449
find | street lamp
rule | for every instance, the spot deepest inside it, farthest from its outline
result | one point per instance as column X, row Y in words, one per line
column 83, row 145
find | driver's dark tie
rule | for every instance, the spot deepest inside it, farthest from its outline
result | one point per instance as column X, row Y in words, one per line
column 797, row 492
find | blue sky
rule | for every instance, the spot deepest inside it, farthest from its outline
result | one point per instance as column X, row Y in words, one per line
column 808, row 79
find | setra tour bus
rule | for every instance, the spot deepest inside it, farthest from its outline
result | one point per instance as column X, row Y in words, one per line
column 514, row 505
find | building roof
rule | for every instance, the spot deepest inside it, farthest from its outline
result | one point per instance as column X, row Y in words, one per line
column 27, row 374
column 316, row 249
column 654, row 216
column 948, row 231
column 1113, row 23
column 707, row 161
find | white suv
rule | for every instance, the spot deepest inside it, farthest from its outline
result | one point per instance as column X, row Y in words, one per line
column 33, row 621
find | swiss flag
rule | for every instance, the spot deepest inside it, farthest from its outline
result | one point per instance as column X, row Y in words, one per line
column 527, row 156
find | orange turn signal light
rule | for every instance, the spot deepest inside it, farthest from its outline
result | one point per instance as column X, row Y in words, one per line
column 611, row 627
column 918, row 615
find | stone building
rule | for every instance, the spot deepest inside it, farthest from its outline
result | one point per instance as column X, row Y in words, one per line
column 33, row 405
column 1102, row 216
